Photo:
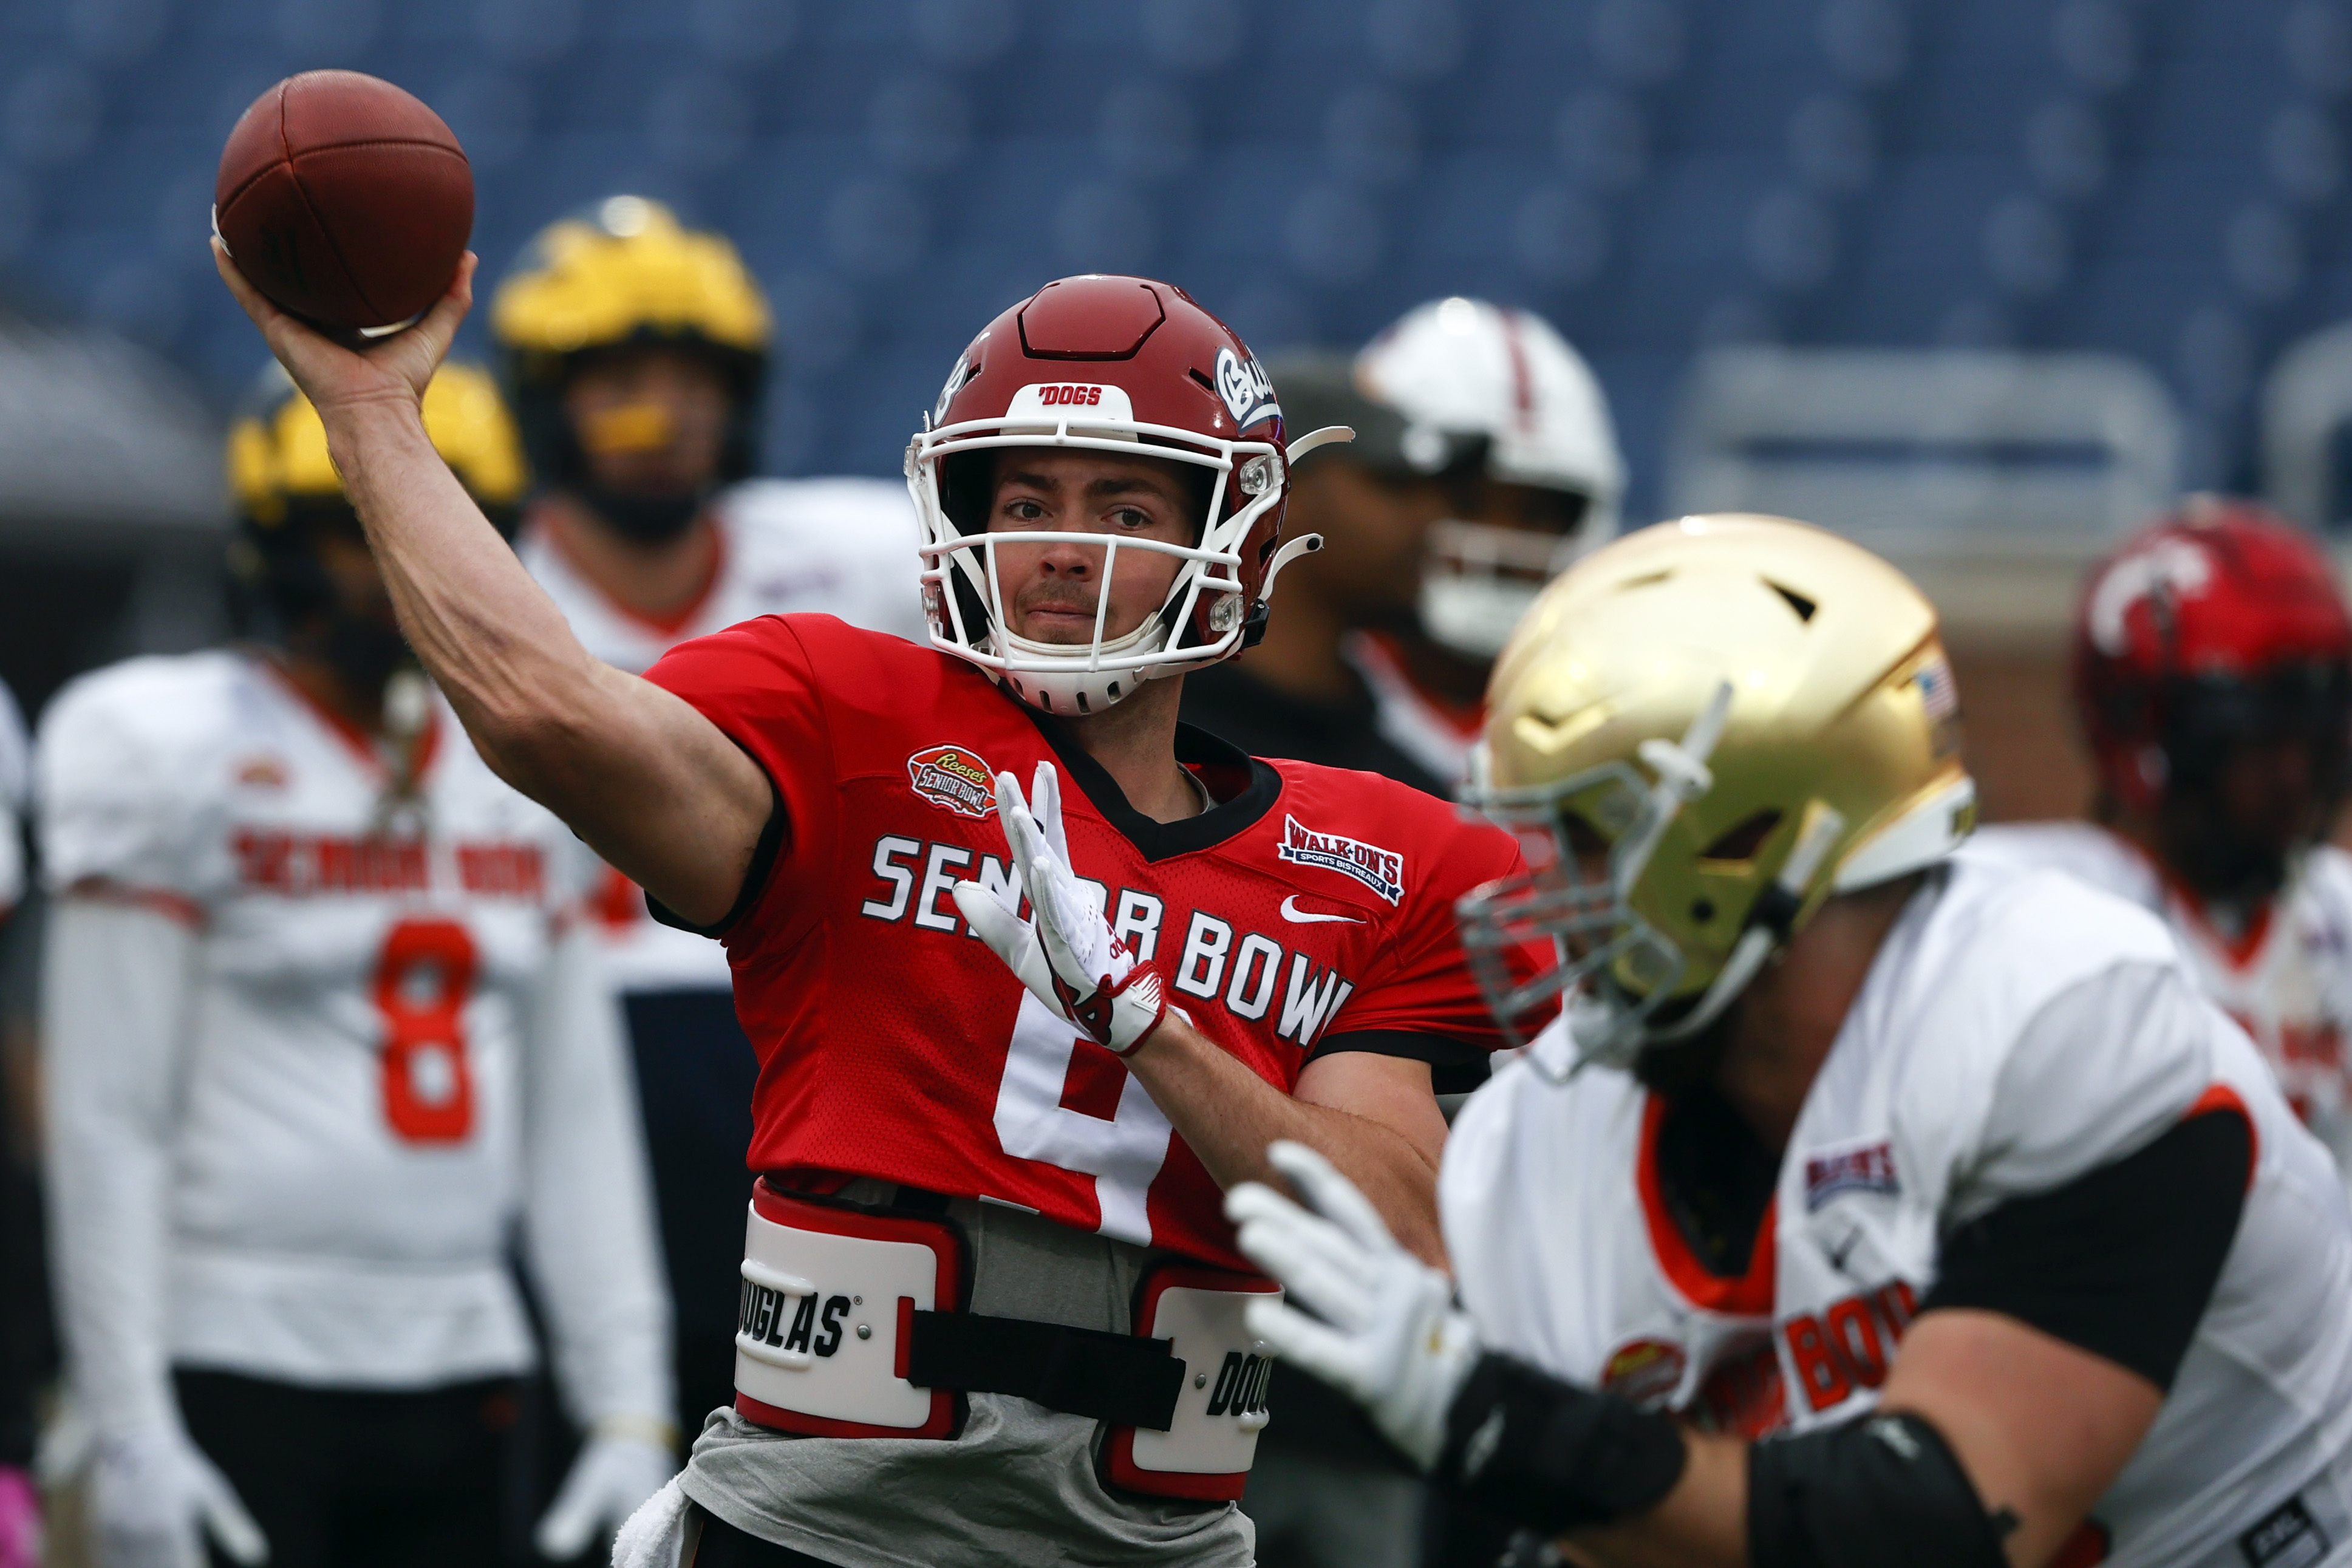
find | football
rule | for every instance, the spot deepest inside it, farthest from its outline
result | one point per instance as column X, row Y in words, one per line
column 345, row 200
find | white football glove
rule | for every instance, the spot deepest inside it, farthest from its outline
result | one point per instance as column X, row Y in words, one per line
column 1066, row 952
column 608, row 1482
column 654, row 1536
column 1389, row 1336
column 153, row 1497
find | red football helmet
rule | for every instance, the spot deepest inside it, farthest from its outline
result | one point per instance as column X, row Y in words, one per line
column 1105, row 365
column 2216, row 627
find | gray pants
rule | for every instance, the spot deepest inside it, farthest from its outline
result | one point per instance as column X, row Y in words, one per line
column 1313, row 1513
column 1018, row 1487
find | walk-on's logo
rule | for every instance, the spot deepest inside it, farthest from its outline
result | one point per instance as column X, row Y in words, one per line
column 1867, row 1169
column 1381, row 870
column 954, row 778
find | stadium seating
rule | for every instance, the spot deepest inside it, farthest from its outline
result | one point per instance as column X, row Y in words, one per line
column 2158, row 178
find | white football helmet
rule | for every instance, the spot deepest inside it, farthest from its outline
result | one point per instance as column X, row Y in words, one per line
column 1466, row 373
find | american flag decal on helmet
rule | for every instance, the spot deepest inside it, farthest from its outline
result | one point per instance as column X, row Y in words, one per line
column 1937, row 693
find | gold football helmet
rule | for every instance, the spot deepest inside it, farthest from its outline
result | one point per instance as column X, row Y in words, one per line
column 278, row 448
column 290, row 505
column 1700, row 733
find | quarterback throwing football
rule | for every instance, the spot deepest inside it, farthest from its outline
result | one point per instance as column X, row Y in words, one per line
column 991, row 1309
column 1877, row 1202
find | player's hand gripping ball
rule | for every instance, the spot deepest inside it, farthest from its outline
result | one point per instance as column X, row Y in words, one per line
column 344, row 200
column 1066, row 952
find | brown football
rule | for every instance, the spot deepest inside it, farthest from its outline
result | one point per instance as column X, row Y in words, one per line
column 344, row 199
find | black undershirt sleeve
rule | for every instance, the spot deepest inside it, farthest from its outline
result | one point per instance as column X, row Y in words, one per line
column 2120, row 1262
column 755, row 875
column 1454, row 1067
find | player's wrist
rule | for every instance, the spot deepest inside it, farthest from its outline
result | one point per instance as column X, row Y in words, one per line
column 370, row 417
column 635, row 1426
column 1526, row 1447
column 1138, row 1009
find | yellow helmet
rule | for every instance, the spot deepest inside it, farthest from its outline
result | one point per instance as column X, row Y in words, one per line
column 286, row 488
column 623, row 272
column 1700, row 733
column 278, row 450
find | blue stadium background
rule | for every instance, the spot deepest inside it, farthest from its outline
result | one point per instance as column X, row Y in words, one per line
column 2163, row 178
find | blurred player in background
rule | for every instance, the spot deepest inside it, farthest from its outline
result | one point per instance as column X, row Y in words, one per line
column 1326, row 1488
column 15, row 783
column 322, row 1027
column 1938, row 1170
column 20, row 1514
column 1510, row 422
column 2213, row 680
column 1462, row 410
column 635, row 353
column 1298, row 693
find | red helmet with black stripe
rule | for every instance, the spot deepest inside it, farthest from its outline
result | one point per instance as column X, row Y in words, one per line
column 1125, row 366
column 2214, row 630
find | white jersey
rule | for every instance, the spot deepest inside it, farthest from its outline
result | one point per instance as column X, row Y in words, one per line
column 1439, row 740
column 16, row 779
column 843, row 546
column 2016, row 1031
column 2286, row 978
column 390, row 1044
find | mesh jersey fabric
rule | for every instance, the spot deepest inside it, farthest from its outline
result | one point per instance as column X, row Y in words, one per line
column 1311, row 903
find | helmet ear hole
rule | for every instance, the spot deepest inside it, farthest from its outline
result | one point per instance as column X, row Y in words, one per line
column 965, row 486
column 1737, row 844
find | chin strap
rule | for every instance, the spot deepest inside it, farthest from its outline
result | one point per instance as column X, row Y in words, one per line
column 1314, row 438
column 1254, row 627
column 1305, row 544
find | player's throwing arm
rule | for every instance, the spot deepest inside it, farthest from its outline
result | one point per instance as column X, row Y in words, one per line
column 648, row 782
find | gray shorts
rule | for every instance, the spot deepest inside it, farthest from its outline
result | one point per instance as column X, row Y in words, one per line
column 1018, row 1487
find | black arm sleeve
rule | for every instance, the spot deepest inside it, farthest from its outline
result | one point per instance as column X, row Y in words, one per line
column 1454, row 1067
column 755, row 876
column 1882, row 1491
column 2120, row 1262
column 1523, row 1446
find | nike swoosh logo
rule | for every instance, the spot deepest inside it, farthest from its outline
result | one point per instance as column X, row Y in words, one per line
column 1296, row 916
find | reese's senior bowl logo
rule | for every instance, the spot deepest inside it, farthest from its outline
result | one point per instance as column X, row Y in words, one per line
column 955, row 778
column 1381, row 870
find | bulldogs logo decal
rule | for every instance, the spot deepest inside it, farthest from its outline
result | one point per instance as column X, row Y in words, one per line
column 965, row 368
column 954, row 778
column 1247, row 392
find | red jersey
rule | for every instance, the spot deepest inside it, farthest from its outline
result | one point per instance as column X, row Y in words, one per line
column 1311, row 909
